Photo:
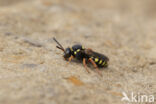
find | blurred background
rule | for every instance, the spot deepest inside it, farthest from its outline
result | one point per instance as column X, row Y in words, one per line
column 32, row 70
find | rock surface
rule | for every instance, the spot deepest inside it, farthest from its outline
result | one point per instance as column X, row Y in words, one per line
column 32, row 70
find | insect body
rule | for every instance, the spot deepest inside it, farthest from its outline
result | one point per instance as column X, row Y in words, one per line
column 86, row 55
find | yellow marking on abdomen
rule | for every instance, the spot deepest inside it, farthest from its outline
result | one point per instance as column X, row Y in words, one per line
column 96, row 59
column 100, row 62
column 103, row 63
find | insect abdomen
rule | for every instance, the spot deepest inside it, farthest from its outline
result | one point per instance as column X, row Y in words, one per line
column 99, row 62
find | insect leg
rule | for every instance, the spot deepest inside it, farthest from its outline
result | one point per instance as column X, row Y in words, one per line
column 85, row 65
column 70, row 58
column 94, row 64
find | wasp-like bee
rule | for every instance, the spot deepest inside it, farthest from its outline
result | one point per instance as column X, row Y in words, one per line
column 85, row 55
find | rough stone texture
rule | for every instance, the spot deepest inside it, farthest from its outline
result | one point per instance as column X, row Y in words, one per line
column 32, row 70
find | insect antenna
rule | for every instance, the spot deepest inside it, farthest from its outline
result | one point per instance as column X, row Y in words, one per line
column 60, row 46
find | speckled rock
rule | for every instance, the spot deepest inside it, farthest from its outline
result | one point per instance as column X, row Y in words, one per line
column 33, row 71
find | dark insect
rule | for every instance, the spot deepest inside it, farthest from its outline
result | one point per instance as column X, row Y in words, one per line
column 86, row 55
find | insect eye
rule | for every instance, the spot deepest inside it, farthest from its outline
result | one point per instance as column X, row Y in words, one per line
column 67, row 51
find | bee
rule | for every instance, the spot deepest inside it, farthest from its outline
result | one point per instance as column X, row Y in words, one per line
column 84, row 55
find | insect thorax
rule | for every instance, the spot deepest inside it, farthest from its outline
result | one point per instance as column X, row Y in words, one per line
column 77, row 51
